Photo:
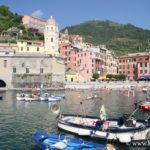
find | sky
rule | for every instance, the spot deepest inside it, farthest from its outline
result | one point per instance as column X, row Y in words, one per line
column 72, row 12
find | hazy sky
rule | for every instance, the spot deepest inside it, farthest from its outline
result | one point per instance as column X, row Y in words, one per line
column 71, row 12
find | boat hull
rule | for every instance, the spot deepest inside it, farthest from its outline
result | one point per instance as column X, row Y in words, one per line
column 53, row 141
column 121, row 134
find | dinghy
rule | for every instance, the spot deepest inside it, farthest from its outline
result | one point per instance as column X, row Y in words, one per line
column 20, row 96
column 51, row 141
column 124, row 129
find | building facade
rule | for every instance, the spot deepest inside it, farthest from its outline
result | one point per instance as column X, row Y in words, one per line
column 30, row 46
column 134, row 65
column 28, row 70
column 87, row 61
column 34, row 23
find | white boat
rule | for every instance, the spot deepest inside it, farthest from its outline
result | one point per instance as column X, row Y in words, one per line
column 54, row 98
column 125, row 129
column 44, row 97
column 31, row 97
column 20, row 96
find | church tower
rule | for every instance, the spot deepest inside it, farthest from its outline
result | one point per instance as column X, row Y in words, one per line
column 51, row 35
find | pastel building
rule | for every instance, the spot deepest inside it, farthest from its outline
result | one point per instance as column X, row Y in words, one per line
column 89, row 60
column 51, row 35
column 34, row 23
column 135, row 65
column 29, row 46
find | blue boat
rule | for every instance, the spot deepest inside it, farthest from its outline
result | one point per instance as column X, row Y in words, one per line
column 51, row 141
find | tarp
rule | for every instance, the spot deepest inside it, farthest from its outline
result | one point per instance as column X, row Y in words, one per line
column 147, row 77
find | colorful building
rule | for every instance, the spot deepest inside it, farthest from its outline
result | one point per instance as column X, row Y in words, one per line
column 29, row 46
column 135, row 65
column 86, row 61
column 34, row 23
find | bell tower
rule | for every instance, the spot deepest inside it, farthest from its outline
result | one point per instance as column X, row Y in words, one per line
column 51, row 35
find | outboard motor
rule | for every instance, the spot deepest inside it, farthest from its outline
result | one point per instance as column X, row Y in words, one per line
column 131, row 122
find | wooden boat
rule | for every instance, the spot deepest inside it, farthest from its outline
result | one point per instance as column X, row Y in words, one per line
column 51, row 141
column 124, row 129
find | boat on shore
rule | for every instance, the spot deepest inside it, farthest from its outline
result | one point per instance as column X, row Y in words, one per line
column 124, row 129
column 51, row 141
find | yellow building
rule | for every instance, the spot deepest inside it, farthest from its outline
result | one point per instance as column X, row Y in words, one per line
column 72, row 76
column 30, row 46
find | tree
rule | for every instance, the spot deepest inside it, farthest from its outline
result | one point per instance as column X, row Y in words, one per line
column 95, row 75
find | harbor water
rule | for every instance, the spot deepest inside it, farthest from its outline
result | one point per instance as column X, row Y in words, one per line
column 19, row 119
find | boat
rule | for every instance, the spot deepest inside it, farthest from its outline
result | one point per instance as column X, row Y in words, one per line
column 20, row 96
column 51, row 141
column 145, row 105
column 44, row 97
column 31, row 97
column 124, row 129
column 53, row 98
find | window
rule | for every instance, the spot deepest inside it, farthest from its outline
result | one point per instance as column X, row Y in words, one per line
column 27, row 48
column 128, row 72
column 14, row 69
column 128, row 66
column 141, row 64
column 145, row 71
column 145, row 64
column 21, row 48
column 51, row 39
column 5, row 63
column 37, row 49
column 27, row 70
column 41, row 70
column 141, row 71
column 52, row 28
column 134, row 65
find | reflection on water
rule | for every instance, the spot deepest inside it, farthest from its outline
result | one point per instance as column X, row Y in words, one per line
column 19, row 119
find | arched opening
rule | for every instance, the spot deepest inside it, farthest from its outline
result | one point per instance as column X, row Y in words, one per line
column 2, row 83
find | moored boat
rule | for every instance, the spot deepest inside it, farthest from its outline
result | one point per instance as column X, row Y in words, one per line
column 53, row 98
column 44, row 97
column 145, row 105
column 51, row 141
column 124, row 129
column 20, row 96
column 31, row 97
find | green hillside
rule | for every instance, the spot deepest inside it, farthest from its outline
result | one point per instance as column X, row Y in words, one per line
column 9, row 20
column 121, row 38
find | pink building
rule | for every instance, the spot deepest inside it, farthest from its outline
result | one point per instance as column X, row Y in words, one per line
column 85, row 62
column 34, row 23
column 135, row 66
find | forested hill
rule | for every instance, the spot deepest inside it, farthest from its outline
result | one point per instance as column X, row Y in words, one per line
column 121, row 38
column 9, row 19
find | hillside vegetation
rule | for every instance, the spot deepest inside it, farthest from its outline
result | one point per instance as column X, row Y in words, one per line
column 121, row 38
column 9, row 20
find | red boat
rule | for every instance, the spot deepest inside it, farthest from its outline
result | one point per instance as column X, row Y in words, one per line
column 145, row 105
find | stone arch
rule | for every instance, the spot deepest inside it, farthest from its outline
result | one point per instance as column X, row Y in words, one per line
column 2, row 84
